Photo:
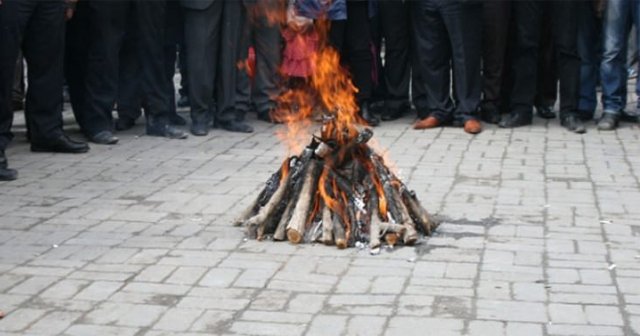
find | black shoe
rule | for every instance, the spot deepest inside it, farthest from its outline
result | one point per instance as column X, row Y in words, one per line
column 266, row 117
column 177, row 120
column 608, row 122
column 200, row 128
column 124, row 124
column 516, row 119
column 633, row 117
column 166, row 131
column 393, row 113
column 545, row 112
column 104, row 138
column 573, row 124
column 183, row 102
column 6, row 174
column 235, row 126
column 61, row 144
column 368, row 116
column 490, row 115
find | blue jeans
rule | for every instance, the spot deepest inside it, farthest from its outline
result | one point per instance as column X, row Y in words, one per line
column 590, row 30
column 618, row 19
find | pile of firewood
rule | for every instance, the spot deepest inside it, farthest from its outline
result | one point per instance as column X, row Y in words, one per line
column 337, row 193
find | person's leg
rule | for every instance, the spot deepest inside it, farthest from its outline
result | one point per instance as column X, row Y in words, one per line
column 129, row 93
column 43, row 48
column 394, row 19
column 360, row 56
column 613, row 70
column 76, row 58
column 18, row 85
column 565, row 33
column 150, row 50
column 13, row 19
column 527, row 15
column 172, row 32
column 463, row 22
column 108, row 22
column 588, row 46
column 227, row 115
column 267, row 44
column 202, row 37
column 434, row 48
column 495, row 31
column 547, row 84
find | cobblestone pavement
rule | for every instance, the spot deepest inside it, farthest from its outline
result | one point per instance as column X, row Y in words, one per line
column 541, row 237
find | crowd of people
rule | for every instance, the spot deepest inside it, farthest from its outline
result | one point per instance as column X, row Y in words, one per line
column 457, row 62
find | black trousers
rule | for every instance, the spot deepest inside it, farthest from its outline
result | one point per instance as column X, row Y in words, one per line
column 174, row 32
column 75, row 61
column 36, row 27
column 203, row 31
column 110, row 21
column 495, row 30
column 547, row 84
column 352, row 38
column 528, row 18
column 129, row 82
column 18, row 83
column 394, row 28
column 262, row 31
column 448, row 36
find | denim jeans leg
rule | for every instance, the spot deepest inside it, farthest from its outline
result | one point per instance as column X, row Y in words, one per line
column 613, row 69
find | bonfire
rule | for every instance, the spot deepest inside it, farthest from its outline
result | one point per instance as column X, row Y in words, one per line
column 337, row 189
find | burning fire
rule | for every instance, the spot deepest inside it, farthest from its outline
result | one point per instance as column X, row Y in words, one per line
column 337, row 190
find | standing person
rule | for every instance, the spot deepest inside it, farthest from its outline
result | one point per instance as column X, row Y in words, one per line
column 619, row 16
column 495, row 37
column 43, row 48
column 528, row 16
column 449, row 39
column 109, row 21
column 394, row 27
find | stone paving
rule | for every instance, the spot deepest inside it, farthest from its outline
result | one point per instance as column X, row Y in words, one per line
column 541, row 236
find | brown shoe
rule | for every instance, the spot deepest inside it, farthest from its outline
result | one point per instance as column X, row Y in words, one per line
column 472, row 126
column 429, row 122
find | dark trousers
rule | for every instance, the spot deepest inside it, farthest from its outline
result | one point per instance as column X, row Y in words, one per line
column 203, row 29
column 448, row 37
column 36, row 26
column 234, row 89
column 352, row 39
column 174, row 32
column 496, row 19
column 129, row 82
column 528, row 18
column 75, row 61
column 394, row 27
column 547, row 84
column 263, row 33
column 18, row 83
column 110, row 20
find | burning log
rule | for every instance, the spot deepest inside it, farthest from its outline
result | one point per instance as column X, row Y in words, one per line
column 337, row 195
column 298, row 222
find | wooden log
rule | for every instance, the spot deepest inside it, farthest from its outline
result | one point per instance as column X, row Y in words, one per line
column 338, row 232
column 295, row 185
column 374, row 232
column 263, row 198
column 391, row 227
column 259, row 221
column 420, row 216
column 327, row 226
column 297, row 225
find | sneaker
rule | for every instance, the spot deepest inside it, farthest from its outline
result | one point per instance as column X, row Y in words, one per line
column 608, row 122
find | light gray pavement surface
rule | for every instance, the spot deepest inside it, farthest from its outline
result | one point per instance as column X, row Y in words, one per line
column 541, row 237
